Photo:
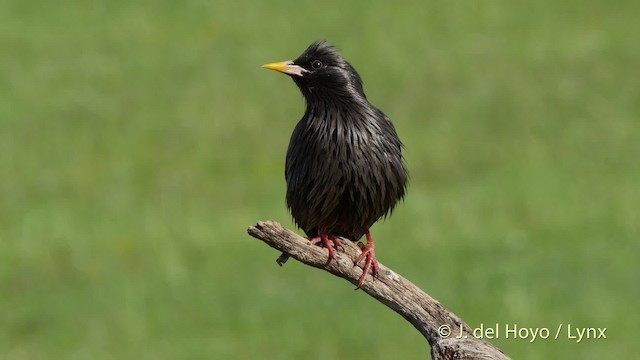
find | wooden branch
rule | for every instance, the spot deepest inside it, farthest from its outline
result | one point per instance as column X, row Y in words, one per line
column 439, row 326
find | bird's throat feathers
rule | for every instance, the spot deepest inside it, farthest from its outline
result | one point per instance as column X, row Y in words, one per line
column 332, row 89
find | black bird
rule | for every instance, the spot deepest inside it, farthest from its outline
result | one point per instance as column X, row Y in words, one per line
column 344, row 166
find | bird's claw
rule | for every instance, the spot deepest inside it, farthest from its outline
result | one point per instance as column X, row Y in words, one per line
column 369, row 255
column 329, row 241
column 336, row 243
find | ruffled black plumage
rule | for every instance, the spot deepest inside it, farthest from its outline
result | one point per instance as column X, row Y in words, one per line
column 344, row 166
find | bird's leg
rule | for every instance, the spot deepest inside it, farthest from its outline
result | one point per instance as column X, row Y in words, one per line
column 336, row 242
column 368, row 253
column 324, row 238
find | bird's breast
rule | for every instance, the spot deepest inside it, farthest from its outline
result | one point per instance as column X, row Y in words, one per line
column 341, row 177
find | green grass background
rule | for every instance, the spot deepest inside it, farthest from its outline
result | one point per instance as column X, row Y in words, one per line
column 139, row 140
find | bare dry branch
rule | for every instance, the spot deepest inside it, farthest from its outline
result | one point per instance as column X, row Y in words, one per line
column 426, row 314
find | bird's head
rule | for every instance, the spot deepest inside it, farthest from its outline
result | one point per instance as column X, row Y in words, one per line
column 322, row 73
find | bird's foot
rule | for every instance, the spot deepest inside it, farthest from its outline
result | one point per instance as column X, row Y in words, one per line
column 327, row 241
column 369, row 255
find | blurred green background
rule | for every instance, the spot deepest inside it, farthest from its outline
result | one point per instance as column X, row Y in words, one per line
column 139, row 140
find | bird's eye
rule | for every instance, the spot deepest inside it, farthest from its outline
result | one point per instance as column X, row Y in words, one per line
column 316, row 64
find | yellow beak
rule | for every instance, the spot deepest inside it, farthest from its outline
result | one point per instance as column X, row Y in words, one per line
column 286, row 67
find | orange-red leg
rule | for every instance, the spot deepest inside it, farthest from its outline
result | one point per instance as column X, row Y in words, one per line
column 369, row 255
column 327, row 241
